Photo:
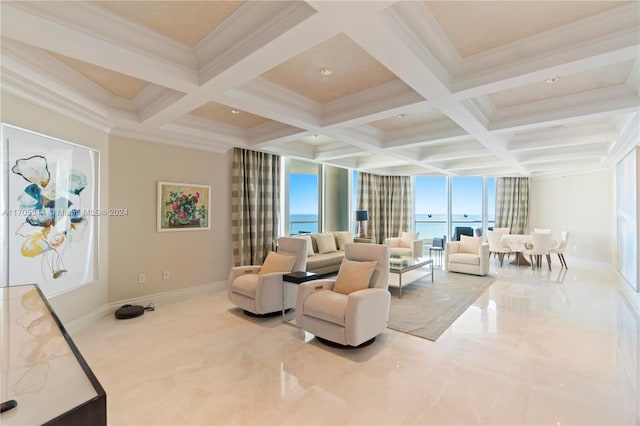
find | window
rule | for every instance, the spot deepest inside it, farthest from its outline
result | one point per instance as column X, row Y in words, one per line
column 466, row 202
column 431, row 206
column 303, row 197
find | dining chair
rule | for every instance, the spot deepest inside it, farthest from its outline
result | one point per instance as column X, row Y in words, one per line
column 541, row 245
column 496, row 246
column 564, row 237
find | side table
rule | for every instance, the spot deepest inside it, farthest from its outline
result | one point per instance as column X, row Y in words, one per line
column 294, row 278
column 438, row 250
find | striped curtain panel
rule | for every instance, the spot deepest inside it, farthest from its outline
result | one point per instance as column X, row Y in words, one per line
column 512, row 204
column 255, row 205
column 389, row 200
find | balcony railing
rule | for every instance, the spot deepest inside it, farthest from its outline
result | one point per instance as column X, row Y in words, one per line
column 303, row 226
column 429, row 228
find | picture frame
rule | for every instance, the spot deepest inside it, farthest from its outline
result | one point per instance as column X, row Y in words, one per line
column 183, row 207
column 50, row 211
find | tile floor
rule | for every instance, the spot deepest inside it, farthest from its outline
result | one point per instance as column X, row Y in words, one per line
column 538, row 347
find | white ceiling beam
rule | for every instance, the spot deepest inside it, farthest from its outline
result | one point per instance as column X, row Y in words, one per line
column 336, row 153
column 428, row 134
column 83, row 44
column 271, row 132
column 587, row 133
column 456, row 151
column 351, row 109
column 578, row 107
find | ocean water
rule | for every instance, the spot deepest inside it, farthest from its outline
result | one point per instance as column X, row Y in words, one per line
column 428, row 227
column 299, row 223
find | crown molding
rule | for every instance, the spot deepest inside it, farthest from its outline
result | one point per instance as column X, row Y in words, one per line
column 248, row 29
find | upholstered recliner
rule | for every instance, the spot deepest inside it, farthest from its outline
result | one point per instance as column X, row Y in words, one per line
column 353, row 308
column 258, row 289
column 407, row 244
column 469, row 255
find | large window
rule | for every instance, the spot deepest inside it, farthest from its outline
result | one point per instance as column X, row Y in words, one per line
column 466, row 202
column 303, row 197
column 431, row 206
column 471, row 201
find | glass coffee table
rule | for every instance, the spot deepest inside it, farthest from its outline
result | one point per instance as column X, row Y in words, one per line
column 402, row 264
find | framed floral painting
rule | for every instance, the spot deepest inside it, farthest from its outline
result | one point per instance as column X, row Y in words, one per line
column 183, row 207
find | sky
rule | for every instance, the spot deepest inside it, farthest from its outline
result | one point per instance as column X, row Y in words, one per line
column 430, row 195
column 303, row 194
column 466, row 194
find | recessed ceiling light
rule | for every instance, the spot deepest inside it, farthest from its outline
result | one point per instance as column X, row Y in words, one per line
column 326, row 71
column 235, row 111
column 552, row 80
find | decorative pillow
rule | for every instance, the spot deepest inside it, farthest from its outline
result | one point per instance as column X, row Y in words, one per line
column 407, row 238
column 353, row 276
column 326, row 243
column 277, row 263
column 343, row 237
column 307, row 237
column 470, row 244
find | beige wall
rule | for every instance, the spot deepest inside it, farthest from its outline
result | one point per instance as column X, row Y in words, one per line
column 20, row 113
column 582, row 204
column 192, row 257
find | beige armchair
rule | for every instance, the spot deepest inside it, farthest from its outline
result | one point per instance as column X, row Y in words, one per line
column 469, row 256
column 407, row 244
column 352, row 309
column 257, row 289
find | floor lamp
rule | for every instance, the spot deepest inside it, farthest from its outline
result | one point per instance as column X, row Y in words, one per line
column 361, row 216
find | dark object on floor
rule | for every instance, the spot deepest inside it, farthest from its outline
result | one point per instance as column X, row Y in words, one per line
column 129, row 311
column 8, row 405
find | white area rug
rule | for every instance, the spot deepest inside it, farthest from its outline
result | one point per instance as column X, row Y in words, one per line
column 427, row 309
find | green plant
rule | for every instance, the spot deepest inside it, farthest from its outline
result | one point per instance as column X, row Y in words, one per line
column 182, row 208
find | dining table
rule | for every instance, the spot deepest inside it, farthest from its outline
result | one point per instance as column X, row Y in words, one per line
column 518, row 243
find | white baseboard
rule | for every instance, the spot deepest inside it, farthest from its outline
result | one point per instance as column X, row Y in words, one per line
column 109, row 309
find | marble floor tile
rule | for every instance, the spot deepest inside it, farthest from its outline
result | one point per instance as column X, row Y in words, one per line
column 538, row 347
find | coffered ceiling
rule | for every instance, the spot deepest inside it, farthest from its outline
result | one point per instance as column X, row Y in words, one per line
column 527, row 88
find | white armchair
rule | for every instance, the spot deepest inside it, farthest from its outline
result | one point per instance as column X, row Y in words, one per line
column 352, row 309
column 469, row 256
column 407, row 244
column 258, row 289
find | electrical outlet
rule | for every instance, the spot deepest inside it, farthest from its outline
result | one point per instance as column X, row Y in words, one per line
column 165, row 275
column 142, row 278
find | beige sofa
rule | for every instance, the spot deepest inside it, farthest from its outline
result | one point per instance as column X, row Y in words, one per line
column 323, row 257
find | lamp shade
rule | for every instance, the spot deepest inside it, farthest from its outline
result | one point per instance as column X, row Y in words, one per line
column 362, row 215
